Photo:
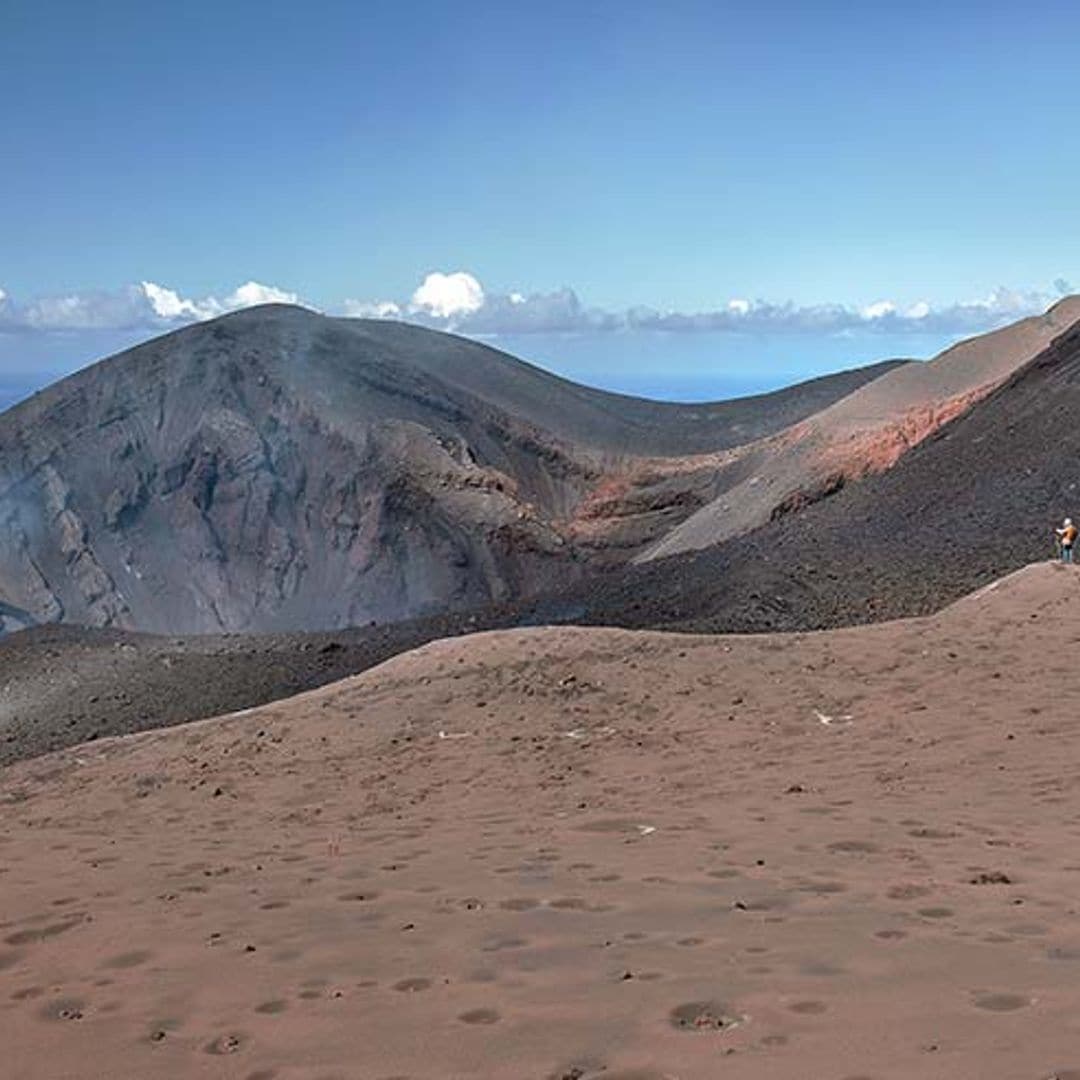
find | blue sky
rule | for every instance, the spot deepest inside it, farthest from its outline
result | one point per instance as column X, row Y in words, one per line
column 883, row 161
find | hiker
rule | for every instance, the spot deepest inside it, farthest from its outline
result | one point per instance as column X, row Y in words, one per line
column 1066, row 538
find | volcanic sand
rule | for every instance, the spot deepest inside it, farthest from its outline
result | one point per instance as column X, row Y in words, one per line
column 577, row 854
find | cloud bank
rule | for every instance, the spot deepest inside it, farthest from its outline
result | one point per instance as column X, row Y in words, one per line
column 457, row 301
column 146, row 306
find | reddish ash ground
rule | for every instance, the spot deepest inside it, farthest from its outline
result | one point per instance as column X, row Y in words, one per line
column 587, row 854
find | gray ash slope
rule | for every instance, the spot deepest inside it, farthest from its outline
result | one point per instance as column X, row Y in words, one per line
column 280, row 470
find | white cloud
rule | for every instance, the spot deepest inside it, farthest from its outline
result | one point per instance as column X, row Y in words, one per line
column 879, row 310
column 918, row 310
column 168, row 304
column 446, row 296
column 147, row 305
column 251, row 294
column 458, row 301
column 97, row 310
column 1008, row 301
column 371, row 309
column 738, row 306
column 3, row 296
column 556, row 312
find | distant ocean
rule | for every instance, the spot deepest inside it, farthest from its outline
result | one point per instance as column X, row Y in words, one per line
column 13, row 392
column 31, row 361
column 668, row 366
column 709, row 366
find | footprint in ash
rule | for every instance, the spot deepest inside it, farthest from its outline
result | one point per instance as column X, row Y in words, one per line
column 703, row 1016
column 480, row 1016
column 999, row 1002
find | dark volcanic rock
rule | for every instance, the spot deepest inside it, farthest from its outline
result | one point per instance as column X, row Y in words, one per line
column 974, row 501
column 276, row 469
